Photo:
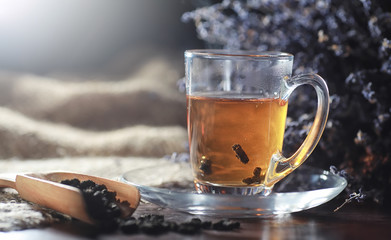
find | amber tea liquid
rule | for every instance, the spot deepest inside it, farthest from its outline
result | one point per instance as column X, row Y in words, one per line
column 217, row 123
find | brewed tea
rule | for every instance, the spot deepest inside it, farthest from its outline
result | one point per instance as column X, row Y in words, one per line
column 232, row 138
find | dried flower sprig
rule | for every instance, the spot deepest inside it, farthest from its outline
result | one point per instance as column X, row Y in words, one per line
column 359, row 197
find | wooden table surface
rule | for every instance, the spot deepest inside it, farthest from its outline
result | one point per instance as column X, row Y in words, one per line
column 354, row 221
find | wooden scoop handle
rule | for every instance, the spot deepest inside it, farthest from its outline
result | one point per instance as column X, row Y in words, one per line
column 8, row 180
column 49, row 194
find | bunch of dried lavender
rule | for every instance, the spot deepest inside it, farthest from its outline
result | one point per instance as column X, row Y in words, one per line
column 346, row 42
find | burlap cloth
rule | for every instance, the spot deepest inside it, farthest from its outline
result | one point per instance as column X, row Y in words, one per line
column 101, row 127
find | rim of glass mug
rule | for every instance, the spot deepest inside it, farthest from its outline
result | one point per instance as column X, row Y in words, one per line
column 227, row 53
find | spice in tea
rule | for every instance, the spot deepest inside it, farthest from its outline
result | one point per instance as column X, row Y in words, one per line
column 240, row 153
column 206, row 165
column 256, row 178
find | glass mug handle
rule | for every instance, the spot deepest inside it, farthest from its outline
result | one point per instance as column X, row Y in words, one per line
column 275, row 173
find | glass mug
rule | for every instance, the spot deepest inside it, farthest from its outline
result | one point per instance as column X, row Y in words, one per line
column 236, row 112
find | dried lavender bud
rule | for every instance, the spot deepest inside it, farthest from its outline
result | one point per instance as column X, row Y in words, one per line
column 240, row 153
column 353, row 196
column 361, row 138
column 342, row 173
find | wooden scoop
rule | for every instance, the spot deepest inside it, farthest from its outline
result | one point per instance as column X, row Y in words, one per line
column 46, row 190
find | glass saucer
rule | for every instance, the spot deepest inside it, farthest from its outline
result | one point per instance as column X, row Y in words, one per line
column 171, row 185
